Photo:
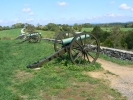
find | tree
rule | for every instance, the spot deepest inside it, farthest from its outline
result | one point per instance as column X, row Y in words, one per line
column 129, row 40
column 6, row 28
column 86, row 25
column 98, row 33
column 1, row 28
column 66, row 27
column 77, row 27
column 18, row 25
column 30, row 28
column 116, row 36
column 108, row 43
column 45, row 28
column 51, row 26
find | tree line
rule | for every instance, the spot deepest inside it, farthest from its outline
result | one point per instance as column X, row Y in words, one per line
column 114, row 39
column 53, row 27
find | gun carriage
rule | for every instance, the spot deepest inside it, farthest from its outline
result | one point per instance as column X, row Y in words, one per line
column 83, row 48
column 31, row 37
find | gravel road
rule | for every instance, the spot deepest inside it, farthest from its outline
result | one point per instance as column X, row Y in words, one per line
column 120, row 77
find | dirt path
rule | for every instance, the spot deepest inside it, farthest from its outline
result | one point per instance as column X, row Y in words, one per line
column 120, row 77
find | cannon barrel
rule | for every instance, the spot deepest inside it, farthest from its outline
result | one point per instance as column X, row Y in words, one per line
column 68, row 40
column 33, row 34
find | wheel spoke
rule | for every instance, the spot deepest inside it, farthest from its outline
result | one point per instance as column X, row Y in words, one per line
column 80, row 58
column 85, row 39
column 87, row 57
column 79, row 44
column 81, row 41
column 76, row 56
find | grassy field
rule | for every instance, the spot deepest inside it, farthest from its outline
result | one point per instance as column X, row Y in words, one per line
column 106, row 29
column 58, row 79
column 9, row 34
column 13, row 33
column 47, row 34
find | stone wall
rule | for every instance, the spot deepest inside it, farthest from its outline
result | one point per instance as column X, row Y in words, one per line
column 117, row 53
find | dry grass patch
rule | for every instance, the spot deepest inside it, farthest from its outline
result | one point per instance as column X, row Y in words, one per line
column 21, row 76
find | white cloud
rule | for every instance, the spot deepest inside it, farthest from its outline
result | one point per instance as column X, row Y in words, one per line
column 112, row 2
column 26, row 9
column 114, row 15
column 131, row 9
column 62, row 3
column 1, row 21
column 124, row 6
column 31, row 13
column 30, row 19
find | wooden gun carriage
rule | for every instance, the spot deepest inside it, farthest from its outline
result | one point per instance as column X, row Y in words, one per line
column 31, row 37
column 83, row 48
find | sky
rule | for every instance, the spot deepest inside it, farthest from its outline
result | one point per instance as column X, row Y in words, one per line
column 65, row 11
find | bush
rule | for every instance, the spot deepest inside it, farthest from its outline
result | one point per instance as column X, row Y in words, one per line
column 129, row 40
column 108, row 43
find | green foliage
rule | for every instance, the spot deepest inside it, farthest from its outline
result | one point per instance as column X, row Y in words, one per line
column 6, row 28
column 51, row 26
column 30, row 28
column 18, row 25
column 123, row 43
column 108, row 43
column 100, row 34
column 1, row 28
column 86, row 25
column 77, row 27
column 129, row 40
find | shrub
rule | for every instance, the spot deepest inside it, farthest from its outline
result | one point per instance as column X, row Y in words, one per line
column 129, row 40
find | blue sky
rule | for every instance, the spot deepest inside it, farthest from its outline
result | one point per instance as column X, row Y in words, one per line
column 65, row 11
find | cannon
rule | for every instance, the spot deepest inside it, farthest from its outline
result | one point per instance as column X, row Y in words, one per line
column 31, row 37
column 83, row 49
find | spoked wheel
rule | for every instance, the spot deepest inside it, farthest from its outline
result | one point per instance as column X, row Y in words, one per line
column 84, row 49
column 58, row 44
column 59, row 39
column 35, row 38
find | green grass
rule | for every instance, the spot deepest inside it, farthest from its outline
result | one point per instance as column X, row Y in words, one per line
column 126, row 29
column 57, row 79
column 10, row 34
column 106, row 29
column 87, row 29
column 13, row 33
column 47, row 34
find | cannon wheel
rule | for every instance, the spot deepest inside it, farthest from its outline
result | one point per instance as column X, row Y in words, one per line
column 35, row 38
column 63, row 35
column 84, row 51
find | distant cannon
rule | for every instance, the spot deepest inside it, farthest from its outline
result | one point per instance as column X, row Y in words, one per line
column 32, row 37
column 83, row 48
